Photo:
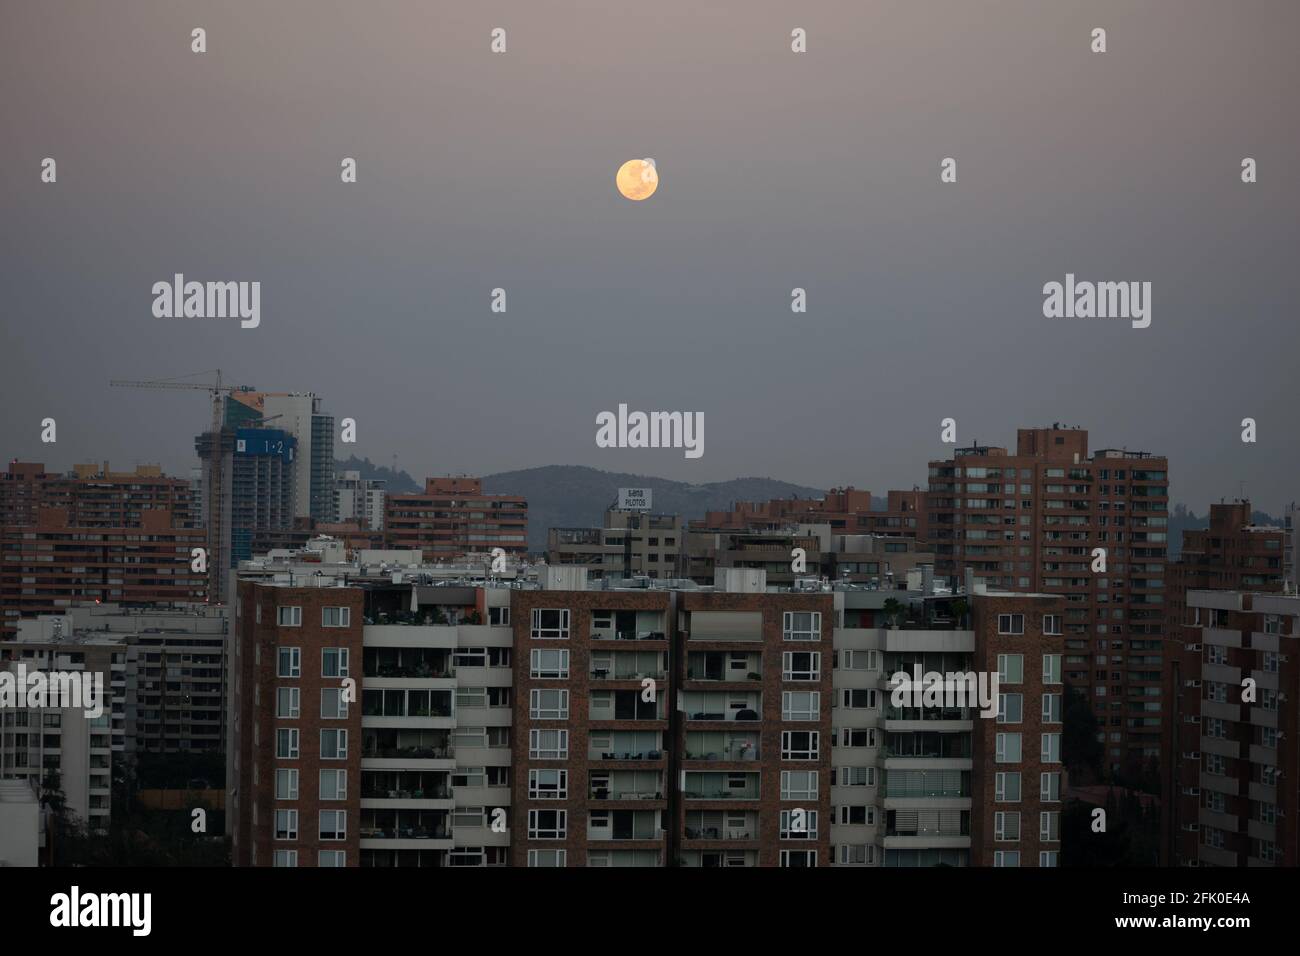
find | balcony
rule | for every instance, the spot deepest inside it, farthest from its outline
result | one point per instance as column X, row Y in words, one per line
column 719, row 666
column 624, row 825
column 406, row 704
column 721, row 786
column 902, row 719
column 609, row 705
column 948, row 784
column 402, row 825
column 721, row 826
column 609, row 625
column 722, row 707
column 406, row 745
column 405, row 786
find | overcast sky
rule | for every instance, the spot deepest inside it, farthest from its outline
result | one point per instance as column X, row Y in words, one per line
column 818, row 170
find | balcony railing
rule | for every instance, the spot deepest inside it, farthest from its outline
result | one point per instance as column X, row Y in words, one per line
column 925, row 754
column 915, row 792
column 693, row 673
column 749, row 713
column 594, row 714
column 630, row 755
column 421, row 753
column 927, row 713
column 405, row 833
column 623, row 835
column 413, row 712
column 719, row 795
column 417, row 671
column 750, row 754
column 436, row 793
column 603, row 673
column 601, row 793
column 720, row 833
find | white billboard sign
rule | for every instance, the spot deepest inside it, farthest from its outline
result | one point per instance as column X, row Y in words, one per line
column 634, row 499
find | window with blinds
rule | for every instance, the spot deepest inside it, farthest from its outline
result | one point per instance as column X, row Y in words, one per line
column 927, row 783
column 930, row 822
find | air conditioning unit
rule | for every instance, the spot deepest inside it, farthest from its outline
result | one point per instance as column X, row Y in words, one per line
column 1191, row 683
column 1193, row 647
column 1282, row 696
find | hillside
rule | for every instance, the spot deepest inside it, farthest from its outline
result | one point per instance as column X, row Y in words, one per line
column 571, row 496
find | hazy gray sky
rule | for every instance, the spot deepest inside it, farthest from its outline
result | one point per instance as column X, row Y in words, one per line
column 818, row 170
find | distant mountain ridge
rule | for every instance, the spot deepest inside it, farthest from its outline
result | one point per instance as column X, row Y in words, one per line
column 575, row 496
column 399, row 482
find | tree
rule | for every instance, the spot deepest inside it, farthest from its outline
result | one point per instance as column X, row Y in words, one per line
column 960, row 608
column 893, row 610
column 52, row 797
column 1081, row 749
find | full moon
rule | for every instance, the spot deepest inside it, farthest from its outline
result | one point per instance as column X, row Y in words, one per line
column 637, row 179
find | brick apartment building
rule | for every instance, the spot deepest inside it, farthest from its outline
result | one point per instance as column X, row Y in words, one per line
column 1017, row 802
column 1213, row 778
column 453, row 517
column 52, row 564
column 561, row 722
column 591, row 774
column 1030, row 521
column 846, row 510
column 781, row 747
column 628, row 544
column 298, row 741
column 1235, row 801
column 868, row 559
column 412, row 771
column 754, row 738
column 93, row 496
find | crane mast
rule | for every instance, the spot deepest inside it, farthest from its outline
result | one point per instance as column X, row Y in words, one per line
column 214, row 507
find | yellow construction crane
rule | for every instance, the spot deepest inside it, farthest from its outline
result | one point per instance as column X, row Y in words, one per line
column 213, row 513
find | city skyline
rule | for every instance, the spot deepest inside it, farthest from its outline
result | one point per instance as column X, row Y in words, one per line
column 819, row 171
column 356, row 508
